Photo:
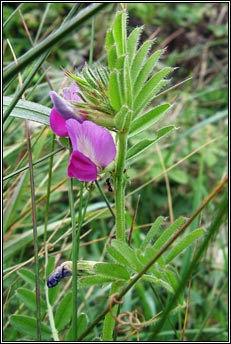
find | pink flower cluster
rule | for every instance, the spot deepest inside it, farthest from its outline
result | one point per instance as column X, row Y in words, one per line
column 93, row 146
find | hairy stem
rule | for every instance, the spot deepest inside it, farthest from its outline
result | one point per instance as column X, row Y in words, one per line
column 120, row 187
column 109, row 321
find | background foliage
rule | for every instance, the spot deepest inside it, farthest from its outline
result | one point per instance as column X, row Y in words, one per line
column 195, row 35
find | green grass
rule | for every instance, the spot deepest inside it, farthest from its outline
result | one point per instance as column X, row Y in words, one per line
column 170, row 180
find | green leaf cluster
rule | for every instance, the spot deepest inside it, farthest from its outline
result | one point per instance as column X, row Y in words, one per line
column 129, row 261
column 161, row 273
column 133, row 84
column 131, row 80
column 121, row 271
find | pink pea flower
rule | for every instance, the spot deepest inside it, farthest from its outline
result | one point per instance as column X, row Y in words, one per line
column 64, row 110
column 93, row 149
column 93, row 146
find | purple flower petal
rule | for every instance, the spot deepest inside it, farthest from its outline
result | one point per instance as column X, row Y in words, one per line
column 93, row 141
column 62, row 106
column 58, row 124
column 71, row 93
column 81, row 167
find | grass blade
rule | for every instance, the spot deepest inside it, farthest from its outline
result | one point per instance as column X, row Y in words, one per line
column 11, row 70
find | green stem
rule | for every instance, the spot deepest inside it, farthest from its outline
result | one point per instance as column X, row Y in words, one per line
column 74, row 258
column 75, row 250
column 109, row 321
column 35, row 234
column 120, row 186
column 49, row 307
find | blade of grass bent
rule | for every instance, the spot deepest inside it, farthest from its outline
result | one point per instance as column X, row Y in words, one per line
column 49, row 307
column 11, row 70
column 18, row 95
column 37, row 287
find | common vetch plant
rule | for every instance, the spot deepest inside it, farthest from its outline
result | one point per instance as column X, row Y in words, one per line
column 118, row 99
column 107, row 117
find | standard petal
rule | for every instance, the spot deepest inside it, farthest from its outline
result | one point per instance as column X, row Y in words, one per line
column 81, row 167
column 93, row 141
column 58, row 124
column 104, row 146
column 74, row 132
column 71, row 93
